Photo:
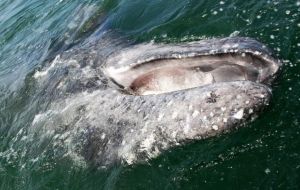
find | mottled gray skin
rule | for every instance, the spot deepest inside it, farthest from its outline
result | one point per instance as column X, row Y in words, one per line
column 90, row 118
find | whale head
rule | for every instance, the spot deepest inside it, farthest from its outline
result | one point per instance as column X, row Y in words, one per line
column 158, row 96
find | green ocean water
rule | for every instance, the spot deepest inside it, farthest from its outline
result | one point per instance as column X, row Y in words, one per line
column 264, row 155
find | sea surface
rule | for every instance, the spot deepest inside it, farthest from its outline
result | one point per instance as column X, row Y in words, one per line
column 263, row 155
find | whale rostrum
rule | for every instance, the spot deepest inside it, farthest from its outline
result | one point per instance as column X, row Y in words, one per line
column 135, row 102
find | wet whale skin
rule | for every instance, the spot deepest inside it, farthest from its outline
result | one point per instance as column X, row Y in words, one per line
column 94, row 114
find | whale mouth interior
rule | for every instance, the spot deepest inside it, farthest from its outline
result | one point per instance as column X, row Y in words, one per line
column 168, row 75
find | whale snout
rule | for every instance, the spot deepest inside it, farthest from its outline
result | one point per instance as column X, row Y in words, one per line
column 193, row 90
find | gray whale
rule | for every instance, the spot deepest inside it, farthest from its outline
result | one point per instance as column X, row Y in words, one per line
column 108, row 104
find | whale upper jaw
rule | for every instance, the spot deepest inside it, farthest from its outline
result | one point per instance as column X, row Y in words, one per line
column 160, row 68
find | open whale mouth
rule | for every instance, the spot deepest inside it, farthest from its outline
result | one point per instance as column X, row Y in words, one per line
column 161, row 75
